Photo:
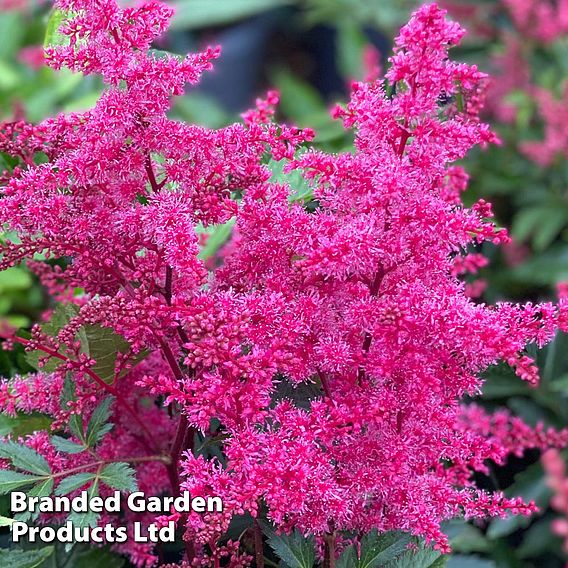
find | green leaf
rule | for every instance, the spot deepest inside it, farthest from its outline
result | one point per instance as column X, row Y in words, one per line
column 24, row 458
column 52, row 35
column 11, row 480
column 73, row 482
column 421, row 558
column 218, row 235
column 464, row 537
column 103, row 345
column 98, row 424
column 85, row 557
column 195, row 14
column 14, row 279
column 25, row 558
column 198, row 108
column 300, row 189
column 43, row 489
column 295, row 550
column 119, row 476
column 348, row 558
column 66, row 446
column 23, row 424
column 89, row 519
column 6, row 521
column 76, row 426
column 546, row 232
column 538, row 539
column 460, row 561
column 350, row 45
column 61, row 316
column 531, row 486
column 378, row 549
column 298, row 99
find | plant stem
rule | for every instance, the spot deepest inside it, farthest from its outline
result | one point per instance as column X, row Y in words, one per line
column 151, row 176
column 99, row 463
column 109, row 388
column 258, row 546
column 329, row 559
column 373, row 291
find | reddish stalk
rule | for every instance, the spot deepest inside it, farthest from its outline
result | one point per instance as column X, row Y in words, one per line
column 258, row 545
column 108, row 388
column 329, row 558
column 373, row 290
column 151, row 175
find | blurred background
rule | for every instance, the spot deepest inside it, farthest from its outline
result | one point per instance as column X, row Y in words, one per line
column 311, row 51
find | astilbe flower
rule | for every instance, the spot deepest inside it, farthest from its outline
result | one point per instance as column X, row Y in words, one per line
column 543, row 20
column 555, row 470
column 326, row 353
column 554, row 115
column 534, row 26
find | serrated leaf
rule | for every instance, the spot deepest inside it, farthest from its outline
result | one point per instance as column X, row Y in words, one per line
column 61, row 316
column 11, row 480
column 25, row 558
column 66, row 446
column 119, row 476
column 24, row 458
column 295, row 550
column 421, row 558
column 88, row 519
column 43, row 489
column 103, row 345
column 98, row 424
column 76, row 426
column 73, row 482
column 379, row 549
column 348, row 558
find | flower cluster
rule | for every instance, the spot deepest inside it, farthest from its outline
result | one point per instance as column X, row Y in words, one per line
column 555, row 470
column 316, row 368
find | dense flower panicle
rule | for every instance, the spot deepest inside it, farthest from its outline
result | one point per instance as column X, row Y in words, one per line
column 554, row 114
column 323, row 353
column 543, row 20
column 555, row 469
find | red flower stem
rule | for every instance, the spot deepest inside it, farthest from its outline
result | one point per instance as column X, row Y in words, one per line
column 151, row 176
column 183, row 433
column 324, row 383
column 373, row 291
column 111, row 390
column 329, row 558
column 258, row 546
